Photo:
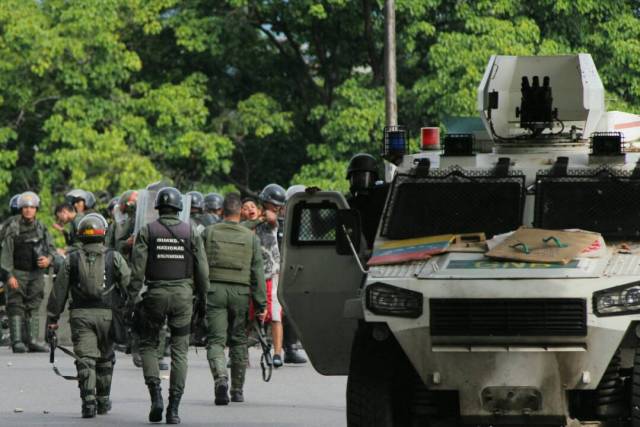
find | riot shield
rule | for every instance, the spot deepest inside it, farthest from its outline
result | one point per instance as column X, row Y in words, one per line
column 147, row 213
column 119, row 217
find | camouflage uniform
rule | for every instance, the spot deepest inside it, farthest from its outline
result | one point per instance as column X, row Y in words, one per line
column 122, row 232
column 167, row 297
column 23, row 243
column 90, row 315
column 235, row 272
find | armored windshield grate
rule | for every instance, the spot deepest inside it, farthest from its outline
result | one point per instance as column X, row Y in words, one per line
column 508, row 317
column 314, row 223
column 602, row 199
column 452, row 201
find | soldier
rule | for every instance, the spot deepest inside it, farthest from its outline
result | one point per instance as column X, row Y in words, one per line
column 91, row 275
column 83, row 201
column 213, row 205
column 368, row 195
column 122, row 240
column 199, row 217
column 168, row 255
column 4, row 321
column 235, row 272
column 109, row 239
column 27, row 251
column 123, row 234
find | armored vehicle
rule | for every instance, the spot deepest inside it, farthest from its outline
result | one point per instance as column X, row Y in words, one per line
column 462, row 339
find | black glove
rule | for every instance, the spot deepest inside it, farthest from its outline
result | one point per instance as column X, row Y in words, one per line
column 51, row 328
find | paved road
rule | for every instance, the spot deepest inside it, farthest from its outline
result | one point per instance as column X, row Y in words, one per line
column 296, row 395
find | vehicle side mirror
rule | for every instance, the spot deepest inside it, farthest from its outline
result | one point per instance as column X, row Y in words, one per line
column 350, row 220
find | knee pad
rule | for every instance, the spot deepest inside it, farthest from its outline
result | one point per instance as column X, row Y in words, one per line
column 84, row 366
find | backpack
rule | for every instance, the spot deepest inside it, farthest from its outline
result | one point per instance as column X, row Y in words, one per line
column 96, row 285
column 103, row 289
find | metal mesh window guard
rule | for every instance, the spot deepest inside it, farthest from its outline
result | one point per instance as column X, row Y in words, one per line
column 603, row 199
column 454, row 200
column 314, row 224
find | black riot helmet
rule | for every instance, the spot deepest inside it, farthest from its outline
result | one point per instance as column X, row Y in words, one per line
column 13, row 205
column 169, row 197
column 92, row 228
column 213, row 201
column 197, row 201
column 274, row 194
column 362, row 172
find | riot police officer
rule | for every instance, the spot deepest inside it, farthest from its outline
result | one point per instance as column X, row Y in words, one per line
column 168, row 256
column 113, row 205
column 91, row 275
column 13, row 211
column 368, row 195
column 83, row 201
column 27, row 251
column 235, row 272
column 199, row 217
column 213, row 205
column 123, row 234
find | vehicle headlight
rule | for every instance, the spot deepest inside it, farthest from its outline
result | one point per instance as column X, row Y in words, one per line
column 387, row 300
column 620, row 300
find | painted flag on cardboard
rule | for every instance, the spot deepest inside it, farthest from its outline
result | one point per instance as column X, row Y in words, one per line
column 399, row 251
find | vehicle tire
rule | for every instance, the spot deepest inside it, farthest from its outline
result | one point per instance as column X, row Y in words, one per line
column 381, row 387
column 635, row 389
column 369, row 384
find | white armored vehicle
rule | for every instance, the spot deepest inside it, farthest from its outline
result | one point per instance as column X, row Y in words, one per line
column 463, row 339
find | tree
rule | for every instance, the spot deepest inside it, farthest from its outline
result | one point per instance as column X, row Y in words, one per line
column 220, row 94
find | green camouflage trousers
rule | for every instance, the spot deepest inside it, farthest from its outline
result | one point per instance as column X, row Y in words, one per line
column 27, row 298
column 227, row 316
column 173, row 304
column 92, row 344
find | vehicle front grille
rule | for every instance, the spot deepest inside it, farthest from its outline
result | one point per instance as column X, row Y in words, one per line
column 508, row 317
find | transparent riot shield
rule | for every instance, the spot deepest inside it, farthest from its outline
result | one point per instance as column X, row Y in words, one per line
column 118, row 216
column 147, row 213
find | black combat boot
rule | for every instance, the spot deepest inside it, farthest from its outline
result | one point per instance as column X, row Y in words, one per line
column 237, row 396
column 33, row 325
column 89, row 409
column 291, row 355
column 157, row 406
column 172, row 410
column 15, row 330
column 222, row 387
column 104, row 405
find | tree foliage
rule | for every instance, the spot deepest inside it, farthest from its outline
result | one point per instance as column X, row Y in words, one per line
column 216, row 94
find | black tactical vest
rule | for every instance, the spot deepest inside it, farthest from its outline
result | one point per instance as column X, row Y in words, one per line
column 98, row 293
column 27, row 247
column 169, row 258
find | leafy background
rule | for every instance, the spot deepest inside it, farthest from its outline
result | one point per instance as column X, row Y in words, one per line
column 221, row 94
